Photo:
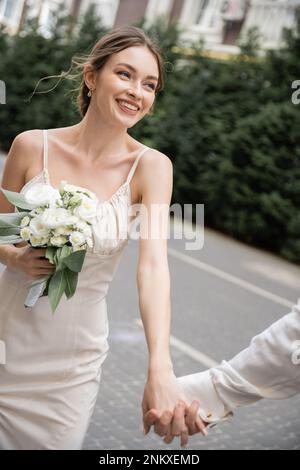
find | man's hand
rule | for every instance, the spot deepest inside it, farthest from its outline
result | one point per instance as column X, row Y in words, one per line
column 182, row 414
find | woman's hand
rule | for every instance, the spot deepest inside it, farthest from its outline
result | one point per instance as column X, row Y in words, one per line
column 193, row 422
column 32, row 262
column 163, row 395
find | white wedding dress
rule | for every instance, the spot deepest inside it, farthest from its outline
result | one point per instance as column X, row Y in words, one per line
column 50, row 382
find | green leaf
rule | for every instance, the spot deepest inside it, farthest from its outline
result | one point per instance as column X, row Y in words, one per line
column 4, row 231
column 56, row 288
column 17, row 199
column 45, row 292
column 10, row 240
column 71, row 282
column 50, row 254
column 75, row 260
column 11, row 219
column 22, row 209
column 65, row 251
column 8, row 224
column 61, row 254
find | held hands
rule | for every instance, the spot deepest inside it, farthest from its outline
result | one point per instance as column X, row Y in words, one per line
column 165, row 407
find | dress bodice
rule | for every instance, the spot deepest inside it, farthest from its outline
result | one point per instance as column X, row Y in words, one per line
column 110, row 229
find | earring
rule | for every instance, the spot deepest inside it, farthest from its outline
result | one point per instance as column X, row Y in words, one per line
column 89, row 93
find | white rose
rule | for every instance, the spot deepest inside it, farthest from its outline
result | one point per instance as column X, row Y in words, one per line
column 87, row 209
column 84, row 227
column 71, row 188
column 38, row 227
column 38, row 241
column 77, row 238
column 63, row 230
column 25, row 233
column 53, row 218
column 41, row 194
column 58, row 241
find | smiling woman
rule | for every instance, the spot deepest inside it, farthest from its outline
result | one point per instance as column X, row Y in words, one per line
column 50, row 382
column 148, row 73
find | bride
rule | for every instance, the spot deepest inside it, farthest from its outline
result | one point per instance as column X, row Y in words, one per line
column 50, row 382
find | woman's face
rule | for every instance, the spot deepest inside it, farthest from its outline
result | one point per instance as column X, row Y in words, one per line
column 118, row 86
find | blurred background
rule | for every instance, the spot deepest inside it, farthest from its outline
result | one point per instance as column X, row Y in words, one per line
column 226, row 117
column 229, row 118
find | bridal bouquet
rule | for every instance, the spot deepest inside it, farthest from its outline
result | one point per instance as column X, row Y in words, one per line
column 56, row 219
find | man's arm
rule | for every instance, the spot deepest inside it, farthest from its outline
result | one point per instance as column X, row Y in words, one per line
column 268, row 368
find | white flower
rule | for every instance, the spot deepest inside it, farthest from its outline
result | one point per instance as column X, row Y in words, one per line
column 75, row 199
column 38, row 227
column 38, row 241
column 89, row 242
column 53, row 218
column 63, row 230
column 84, row 227
column 87, row 209
column 78, row 248
column 41, row 194
column 25, row 233
column 59, row 203
column 71, row 188
column 36, row 211
column 25, row 221
column 58, row 241
column 77, row 238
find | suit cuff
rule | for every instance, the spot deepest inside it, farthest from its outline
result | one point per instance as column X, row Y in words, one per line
column 200, row 387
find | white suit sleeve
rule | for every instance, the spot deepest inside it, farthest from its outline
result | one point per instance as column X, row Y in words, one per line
column 268, row 368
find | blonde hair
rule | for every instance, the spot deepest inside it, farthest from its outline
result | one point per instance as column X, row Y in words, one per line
column 110, row 43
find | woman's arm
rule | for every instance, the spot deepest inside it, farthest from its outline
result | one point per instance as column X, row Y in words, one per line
column 13, row 179
column 153, row 280
column 23, row 154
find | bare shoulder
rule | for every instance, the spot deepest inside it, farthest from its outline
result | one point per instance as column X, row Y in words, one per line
column 154, row 159
column 155, row 176
column 22, row 153
column 27, row 142
column 25, row 147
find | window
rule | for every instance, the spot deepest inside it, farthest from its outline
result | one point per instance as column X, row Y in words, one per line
column 202, row 10
column 8, row 8
column 207, row 13
column 2, row 2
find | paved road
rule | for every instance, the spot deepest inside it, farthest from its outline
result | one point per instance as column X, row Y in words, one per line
column 221, row 297
column 214, row 316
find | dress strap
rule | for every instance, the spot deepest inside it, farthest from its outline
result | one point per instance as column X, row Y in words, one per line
column 45, row 149
column 132, row 170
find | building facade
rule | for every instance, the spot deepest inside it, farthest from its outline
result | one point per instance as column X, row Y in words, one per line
column 11, row 14
column 221, row 24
